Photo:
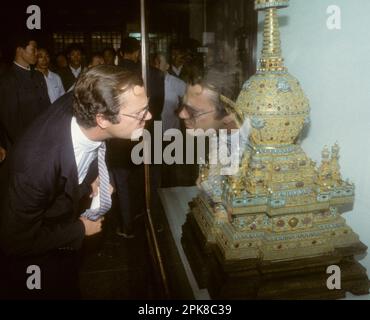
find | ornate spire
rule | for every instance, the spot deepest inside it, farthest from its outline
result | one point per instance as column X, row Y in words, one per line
column 271, row 59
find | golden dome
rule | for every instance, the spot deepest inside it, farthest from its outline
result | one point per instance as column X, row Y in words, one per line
column 277, row 107
column 273, row 99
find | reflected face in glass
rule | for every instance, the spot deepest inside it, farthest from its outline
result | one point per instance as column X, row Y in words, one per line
column 198, row 110
column 133, row 114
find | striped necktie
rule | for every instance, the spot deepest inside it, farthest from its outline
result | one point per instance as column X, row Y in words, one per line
column 104, row 192
column 105, row 196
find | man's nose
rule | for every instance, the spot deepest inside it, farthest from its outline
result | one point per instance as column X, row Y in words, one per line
column 148, row 116
column 183, row 114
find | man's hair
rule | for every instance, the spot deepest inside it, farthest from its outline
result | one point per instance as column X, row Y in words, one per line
column 94, row 55
column 44, row 49
column 22, row 40
column 98, row 91
column 153, row 57
column 130, row 45
column 215, row 93
column 73, row 47
column 110, row 49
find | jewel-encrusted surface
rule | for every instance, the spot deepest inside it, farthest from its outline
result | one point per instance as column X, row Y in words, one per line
column 281, row 205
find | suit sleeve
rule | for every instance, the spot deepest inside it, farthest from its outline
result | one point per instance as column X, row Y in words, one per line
column 26, row 231
column 8, row 108
column 3, row 140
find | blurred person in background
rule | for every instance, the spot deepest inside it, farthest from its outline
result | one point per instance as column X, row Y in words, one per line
column 53, row 81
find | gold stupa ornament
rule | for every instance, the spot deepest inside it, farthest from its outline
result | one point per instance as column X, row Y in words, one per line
column 280, row 205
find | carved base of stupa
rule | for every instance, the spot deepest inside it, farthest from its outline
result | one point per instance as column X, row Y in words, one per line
column 261, row 278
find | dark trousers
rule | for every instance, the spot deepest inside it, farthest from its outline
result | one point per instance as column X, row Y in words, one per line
column 130, row 193
column 59, row 276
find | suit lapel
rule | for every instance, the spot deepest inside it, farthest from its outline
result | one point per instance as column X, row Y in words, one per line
column 69, row 167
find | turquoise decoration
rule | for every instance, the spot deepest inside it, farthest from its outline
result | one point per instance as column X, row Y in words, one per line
column 283, row 85
column 258, row 123
column 323, row 197
column 247, row 85
column 277, row 203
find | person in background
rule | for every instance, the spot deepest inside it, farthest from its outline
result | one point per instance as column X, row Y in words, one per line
column 70, row 74
column 129, row 54
column 53, row 81
column 128, row 177
column 174, row 91
column 96, row 60
column 109, row 56
column 61, row 62
column 23, row 90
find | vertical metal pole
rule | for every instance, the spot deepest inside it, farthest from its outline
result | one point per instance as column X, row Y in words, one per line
column 151, row 230
column 144, row 45
column 205, row 15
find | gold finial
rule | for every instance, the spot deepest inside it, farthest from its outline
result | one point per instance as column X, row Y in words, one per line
column 271, row 59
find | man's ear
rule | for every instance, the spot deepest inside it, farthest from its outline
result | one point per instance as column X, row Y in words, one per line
column 102, row 122
column 227, row 119
column 18, row 50
column 229, row 122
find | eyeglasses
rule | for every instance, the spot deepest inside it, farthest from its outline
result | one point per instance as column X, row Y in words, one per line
column 140, row 115
column 193, row 114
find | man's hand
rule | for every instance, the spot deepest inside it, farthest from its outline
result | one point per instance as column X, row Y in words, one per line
column 95, row 188
column 92, row 227
column 2, row 154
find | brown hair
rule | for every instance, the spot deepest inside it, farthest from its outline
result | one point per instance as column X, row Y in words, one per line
column 215, row 92
column 98, row 91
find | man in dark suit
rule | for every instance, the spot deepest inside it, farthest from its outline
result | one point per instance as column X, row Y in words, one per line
column 23, row 90
column 70, row 73
column 52, row 168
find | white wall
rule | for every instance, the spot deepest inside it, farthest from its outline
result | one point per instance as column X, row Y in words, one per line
column 333, row 67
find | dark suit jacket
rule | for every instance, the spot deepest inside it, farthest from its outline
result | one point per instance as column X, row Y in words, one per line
column 23, row 97
column 68, row 78
column 40, row 210
column 3, row 137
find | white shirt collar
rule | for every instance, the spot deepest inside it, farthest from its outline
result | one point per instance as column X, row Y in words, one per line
column 80, row 141
column 20, row 66
column 76, row 72
column 177, row 70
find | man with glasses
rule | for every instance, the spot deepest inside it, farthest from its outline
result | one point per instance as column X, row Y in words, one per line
column 204, row 108
column 53, row 167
